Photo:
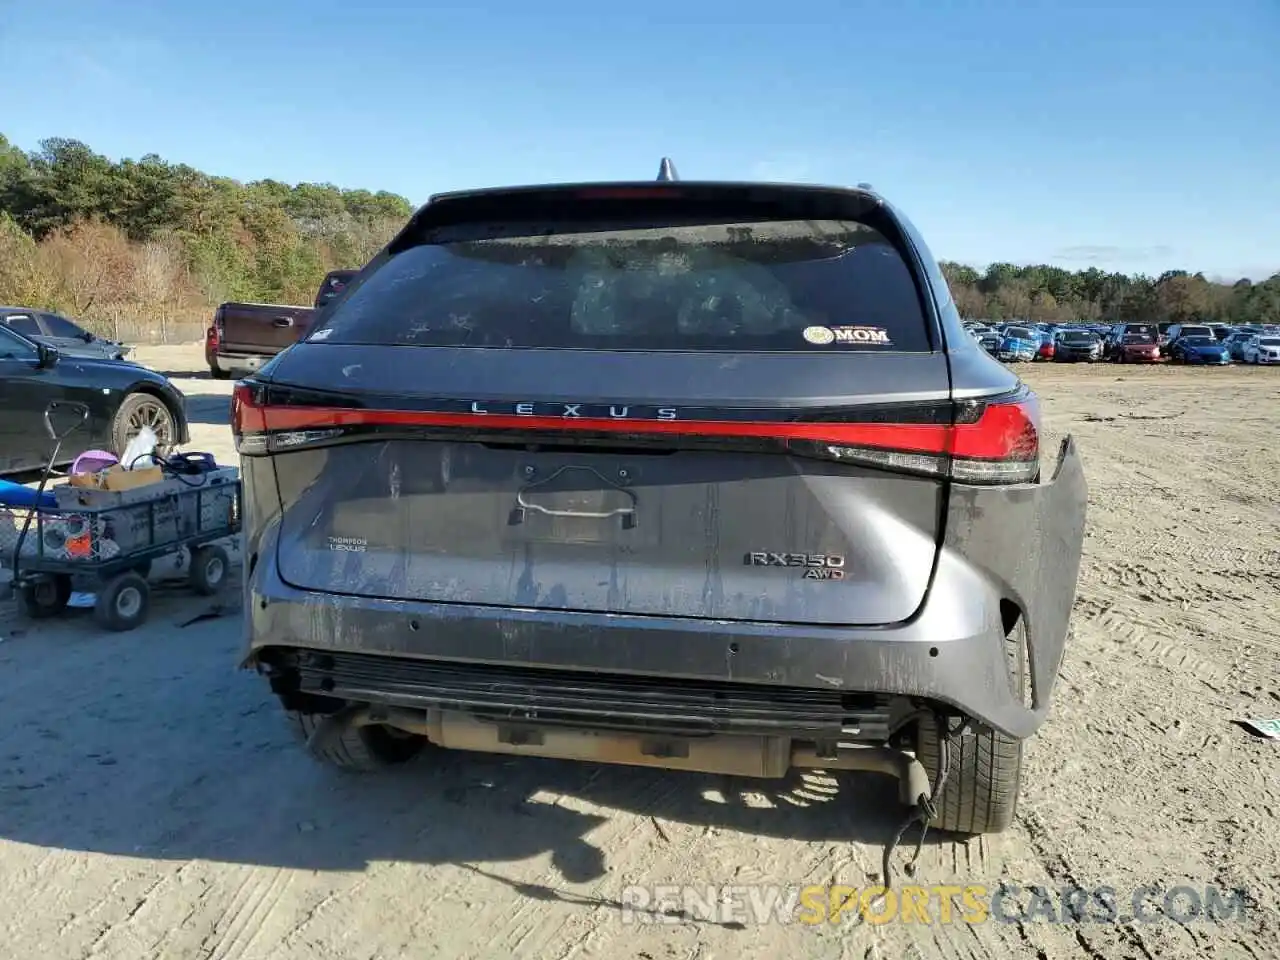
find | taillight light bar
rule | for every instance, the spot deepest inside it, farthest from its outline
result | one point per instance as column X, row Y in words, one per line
column 987, row 442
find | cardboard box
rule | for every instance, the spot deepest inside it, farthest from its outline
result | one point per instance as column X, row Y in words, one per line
column 118, row 478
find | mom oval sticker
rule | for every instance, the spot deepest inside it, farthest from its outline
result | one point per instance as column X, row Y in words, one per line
column 821, row 336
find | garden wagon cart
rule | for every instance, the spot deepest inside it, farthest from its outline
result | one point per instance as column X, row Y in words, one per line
column 110, row 537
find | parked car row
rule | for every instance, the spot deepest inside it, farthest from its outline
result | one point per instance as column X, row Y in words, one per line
column 1129, row 343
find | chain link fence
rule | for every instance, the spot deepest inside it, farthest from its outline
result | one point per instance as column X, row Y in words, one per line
column 159, row 328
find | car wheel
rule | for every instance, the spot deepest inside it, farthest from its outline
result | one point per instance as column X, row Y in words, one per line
column 218, row 373
column 363, row 749
column 139, row 410
column 123, row 602
column 985, row 769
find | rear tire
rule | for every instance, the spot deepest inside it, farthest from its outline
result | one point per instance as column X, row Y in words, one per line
column 365, row 749
column 985, row 772
column 217, row 373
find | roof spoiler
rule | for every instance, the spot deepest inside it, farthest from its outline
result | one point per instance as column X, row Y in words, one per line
column 549, row 202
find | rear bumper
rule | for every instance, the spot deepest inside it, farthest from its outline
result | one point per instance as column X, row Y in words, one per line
column 242, row 364
column 1017, row 545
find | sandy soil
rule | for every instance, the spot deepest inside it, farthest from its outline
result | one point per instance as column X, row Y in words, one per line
column 153, row 805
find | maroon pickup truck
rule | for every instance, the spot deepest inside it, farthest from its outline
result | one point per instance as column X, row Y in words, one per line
column 244, row 336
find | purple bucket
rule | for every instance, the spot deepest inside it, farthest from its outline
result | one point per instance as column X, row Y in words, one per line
column 91, row 461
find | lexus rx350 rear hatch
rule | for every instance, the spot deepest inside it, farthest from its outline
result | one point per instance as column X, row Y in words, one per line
column 694, row 401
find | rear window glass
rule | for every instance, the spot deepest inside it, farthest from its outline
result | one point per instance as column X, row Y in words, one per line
column 1143, row 328
column 61, row 326
column 1195, row 332
column 1020, row 333
column 1073, row 336
column 816, row 286
column 1269, row 342
column 1139, row 338
column 22, row 322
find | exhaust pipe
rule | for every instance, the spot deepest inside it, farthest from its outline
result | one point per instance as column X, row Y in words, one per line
column 743, row 755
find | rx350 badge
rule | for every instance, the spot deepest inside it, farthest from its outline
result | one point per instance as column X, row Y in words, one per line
column 815, row 566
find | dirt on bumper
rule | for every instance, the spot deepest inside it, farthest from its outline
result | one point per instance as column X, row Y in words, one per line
column 1016, row 545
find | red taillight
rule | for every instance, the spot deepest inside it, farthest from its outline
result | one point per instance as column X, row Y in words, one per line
column 248, row 420
column 994, row 442
column 211, row 337
column 1000, row 445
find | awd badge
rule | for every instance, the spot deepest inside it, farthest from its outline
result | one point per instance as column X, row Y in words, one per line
column 815, row 566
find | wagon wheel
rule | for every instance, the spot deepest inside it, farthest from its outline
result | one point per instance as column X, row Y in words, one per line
column 209, row 568
column 46, row 596
column 123, row 602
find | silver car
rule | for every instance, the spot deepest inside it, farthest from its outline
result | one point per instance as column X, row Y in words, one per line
column 1262, row 348
column 705, row 476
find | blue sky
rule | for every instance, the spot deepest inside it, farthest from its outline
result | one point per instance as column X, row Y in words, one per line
column 1137, row 136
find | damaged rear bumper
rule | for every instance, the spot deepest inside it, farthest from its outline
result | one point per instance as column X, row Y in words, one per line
column 1014, row 548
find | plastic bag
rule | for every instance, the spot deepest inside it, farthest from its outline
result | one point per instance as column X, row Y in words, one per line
column 140, row 453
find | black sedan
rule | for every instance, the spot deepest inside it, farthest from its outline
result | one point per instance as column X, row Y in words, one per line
column 55, row 330
column 122, row 398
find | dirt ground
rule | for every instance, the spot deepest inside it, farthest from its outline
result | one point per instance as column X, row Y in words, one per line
column 152, row 803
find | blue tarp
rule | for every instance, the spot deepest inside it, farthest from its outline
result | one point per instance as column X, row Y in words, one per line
column 17, row 495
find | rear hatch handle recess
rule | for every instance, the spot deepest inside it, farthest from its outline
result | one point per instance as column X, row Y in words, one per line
column 526, row 500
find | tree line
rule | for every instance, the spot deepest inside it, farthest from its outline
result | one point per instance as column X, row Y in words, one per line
column 136, row 245
column 141, row 247
column 1004, row 291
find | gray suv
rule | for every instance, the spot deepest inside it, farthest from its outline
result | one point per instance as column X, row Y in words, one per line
column 705, row 476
